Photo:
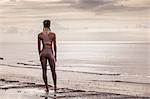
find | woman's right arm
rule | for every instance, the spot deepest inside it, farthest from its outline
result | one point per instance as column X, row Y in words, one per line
column 39, row 44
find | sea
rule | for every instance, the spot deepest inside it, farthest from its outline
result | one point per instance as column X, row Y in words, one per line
column 120, row 61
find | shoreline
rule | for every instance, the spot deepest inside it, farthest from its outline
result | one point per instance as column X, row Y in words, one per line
column 75, row 81
column 35, row 66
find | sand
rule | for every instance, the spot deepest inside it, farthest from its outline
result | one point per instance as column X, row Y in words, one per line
column 27, row 83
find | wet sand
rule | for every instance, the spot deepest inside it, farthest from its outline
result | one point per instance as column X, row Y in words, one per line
column 23, row 90
column 27, row 83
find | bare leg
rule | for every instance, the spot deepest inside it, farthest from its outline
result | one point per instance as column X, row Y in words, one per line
column 52, row 66
column 44, row 70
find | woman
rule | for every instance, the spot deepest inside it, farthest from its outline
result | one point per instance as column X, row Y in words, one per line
column 48, row 39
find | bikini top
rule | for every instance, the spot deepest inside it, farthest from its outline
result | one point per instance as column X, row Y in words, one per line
column 46, row 39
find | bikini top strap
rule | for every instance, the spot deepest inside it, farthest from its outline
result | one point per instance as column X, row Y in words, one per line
column 47, row 40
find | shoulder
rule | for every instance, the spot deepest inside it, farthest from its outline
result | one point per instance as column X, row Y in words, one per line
column 40, row 34
column 53, row 34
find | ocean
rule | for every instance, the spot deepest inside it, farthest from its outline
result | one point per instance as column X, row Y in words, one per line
column 119, row 61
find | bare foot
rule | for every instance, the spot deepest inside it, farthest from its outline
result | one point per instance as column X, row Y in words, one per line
column 55, row 89
column 46, row 90
column 55, row 93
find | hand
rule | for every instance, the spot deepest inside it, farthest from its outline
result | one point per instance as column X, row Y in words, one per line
column 55, row 59
column 40, row 53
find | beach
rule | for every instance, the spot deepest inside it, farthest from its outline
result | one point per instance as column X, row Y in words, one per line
column 103, row 49
column 27, row 83
column 77, row 79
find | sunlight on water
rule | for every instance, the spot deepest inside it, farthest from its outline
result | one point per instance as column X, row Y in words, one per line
column 123, row 58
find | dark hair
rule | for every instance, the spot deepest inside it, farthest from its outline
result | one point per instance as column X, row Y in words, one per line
column 46, row 23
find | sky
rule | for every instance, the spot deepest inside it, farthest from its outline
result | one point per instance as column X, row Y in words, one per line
column 76, row 20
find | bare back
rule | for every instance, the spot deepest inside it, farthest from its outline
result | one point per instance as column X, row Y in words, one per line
column 47, row 39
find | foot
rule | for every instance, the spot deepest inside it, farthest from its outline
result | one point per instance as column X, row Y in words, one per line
column 46, row 90
column 55, row 89
column 55, row 92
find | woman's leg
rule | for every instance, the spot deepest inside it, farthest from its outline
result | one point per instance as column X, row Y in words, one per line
column 52, row 66
column 44, row 71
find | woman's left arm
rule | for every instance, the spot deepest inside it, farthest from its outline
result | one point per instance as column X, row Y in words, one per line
column 55, row 47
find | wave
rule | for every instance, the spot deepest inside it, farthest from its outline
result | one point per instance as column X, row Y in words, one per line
column 109, row 74
column 120, row 81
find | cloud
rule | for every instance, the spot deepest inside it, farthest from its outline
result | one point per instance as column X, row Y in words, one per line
column 133, row 3
column 90, row 3
column 110, row 5
column 86, row 4
column 30, row 0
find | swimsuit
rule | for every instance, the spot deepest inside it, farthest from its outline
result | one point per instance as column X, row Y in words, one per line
column 47, row 52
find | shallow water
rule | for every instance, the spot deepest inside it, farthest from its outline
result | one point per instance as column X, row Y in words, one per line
column 129, row 60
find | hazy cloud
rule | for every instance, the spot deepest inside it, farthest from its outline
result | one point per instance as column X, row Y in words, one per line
column 71, row 18
column 89, row 4
column 110, row 5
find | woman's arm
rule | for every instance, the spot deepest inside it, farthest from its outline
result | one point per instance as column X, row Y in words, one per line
column 55, row 47
column 39, row 44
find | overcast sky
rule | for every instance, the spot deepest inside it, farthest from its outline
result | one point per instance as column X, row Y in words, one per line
column 100, row 20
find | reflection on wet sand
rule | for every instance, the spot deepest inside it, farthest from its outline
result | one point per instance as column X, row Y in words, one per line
column 18, row 88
